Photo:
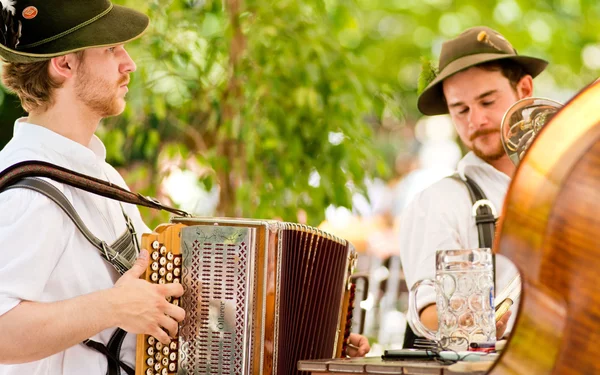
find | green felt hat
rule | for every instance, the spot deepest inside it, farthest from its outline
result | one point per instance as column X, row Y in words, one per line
column 474, row 46
column 37, row 30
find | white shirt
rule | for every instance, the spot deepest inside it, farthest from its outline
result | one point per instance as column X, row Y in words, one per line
column 440, row 218
column 44, row 256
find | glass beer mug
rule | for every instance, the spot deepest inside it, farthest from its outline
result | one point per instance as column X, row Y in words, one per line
column 464, row 286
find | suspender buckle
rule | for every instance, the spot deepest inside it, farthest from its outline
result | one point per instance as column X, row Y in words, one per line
column 482, row 203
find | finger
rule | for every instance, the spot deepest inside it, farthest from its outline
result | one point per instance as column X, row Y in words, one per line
column 352, row 351
column 502, row 324
column 140, row 265
column 364, row 348
column 161, row 336
column 175, row 312
column 171, row 289
column 170, row 325
column 361, row 343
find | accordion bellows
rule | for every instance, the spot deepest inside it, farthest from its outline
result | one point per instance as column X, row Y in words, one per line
column 259, row 296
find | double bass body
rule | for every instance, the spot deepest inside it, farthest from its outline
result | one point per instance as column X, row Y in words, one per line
column 550, row 229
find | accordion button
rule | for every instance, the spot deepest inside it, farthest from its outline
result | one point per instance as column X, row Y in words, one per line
column 155, row 255
column 150, row 351
column 163, row 250
column 169, row 299
column 177, row 261
column 170, row 255
column 164, row 371
column 163, row 261
column 154, row 266
column 157, row 367
column 172, row 357
column 154, row 277
column 162, row 271
column 169, row 276
column 169, row 266
column 158, row 356
column 176, row 271
column 149, row 372
column 155, row 245
column 173, row 345
column 151, row 340
column 176, row 302
column 176, row 280
column 161, row 281
column 159, row 345
column 165, row 363
column 172, row 367
column 150, row 361
column 165, row 350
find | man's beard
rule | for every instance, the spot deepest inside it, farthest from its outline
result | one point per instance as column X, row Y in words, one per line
column 98, row 94
column 492, row 155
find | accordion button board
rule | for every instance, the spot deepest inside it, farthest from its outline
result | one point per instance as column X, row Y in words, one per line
column 165, row 267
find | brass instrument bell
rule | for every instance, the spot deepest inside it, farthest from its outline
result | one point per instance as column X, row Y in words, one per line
column 522, row 122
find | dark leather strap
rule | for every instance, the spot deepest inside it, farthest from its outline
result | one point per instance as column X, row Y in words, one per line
column 484, row 212
column 112, row 352
column 90, row 184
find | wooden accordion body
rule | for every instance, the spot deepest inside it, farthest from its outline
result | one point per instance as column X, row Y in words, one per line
column 259, row 296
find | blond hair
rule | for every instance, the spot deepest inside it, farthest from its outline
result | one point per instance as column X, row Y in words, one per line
column 32, row 83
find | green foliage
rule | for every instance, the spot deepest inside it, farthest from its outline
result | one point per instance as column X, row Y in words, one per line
column 427, row 75
column 249, row 93
column 271, row 107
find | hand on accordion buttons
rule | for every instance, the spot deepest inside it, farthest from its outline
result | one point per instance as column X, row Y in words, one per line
column 358, row 346
column 141, row 307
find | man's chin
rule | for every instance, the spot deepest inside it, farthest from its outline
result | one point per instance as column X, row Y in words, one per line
column 489, row 155
column 116, row 109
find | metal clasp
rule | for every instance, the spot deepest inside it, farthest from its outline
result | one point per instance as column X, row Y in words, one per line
column 484, row 202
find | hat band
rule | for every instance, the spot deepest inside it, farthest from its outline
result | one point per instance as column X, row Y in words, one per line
column 66, row 32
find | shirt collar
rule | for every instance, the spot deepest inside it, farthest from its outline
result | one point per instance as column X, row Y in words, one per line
column 44, row 137
column 473, row 163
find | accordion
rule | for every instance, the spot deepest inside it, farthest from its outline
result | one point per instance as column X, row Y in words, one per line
column 259, row 296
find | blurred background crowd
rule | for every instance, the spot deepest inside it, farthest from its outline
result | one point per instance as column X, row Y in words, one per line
column 305, row 111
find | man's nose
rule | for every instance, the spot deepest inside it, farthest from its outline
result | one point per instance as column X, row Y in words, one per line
column 477, row 118
column 128, row 65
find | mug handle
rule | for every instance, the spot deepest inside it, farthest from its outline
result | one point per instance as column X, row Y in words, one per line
column 413, row 316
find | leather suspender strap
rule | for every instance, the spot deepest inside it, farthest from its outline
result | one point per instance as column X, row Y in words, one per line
column 484, row 212
column 120, row 263
column 112, row 352
column 90, row 184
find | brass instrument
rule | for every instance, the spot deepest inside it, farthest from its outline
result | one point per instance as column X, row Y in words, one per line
column 522, row 122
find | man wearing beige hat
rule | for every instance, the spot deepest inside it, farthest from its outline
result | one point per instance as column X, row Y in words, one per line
column 480, row 76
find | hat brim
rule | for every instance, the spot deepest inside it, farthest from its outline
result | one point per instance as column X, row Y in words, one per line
column 431, row 102
column 119, row 26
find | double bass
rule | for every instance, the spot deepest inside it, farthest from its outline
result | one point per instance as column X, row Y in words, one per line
column 550, row 229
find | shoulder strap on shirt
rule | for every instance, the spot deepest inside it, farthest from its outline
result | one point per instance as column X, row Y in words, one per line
column 90, row 184
column 483, row 210
column 118, row 261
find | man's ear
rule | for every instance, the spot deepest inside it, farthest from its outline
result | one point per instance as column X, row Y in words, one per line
column 63, row 67
column 525, row 87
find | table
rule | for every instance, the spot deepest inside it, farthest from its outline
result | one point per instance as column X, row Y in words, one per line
column 377, row 366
